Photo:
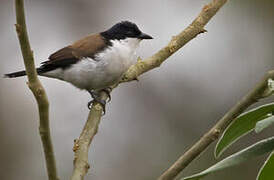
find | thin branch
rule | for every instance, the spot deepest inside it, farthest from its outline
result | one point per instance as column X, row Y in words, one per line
column 82, row 145
column 177, row 42
column 258, row 92
column 37, row 89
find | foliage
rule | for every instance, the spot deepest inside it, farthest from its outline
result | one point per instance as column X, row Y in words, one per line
column 256, row 119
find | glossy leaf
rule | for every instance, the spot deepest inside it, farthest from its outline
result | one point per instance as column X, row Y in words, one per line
column 257, row 149
column 242, row 125
column 267, row 170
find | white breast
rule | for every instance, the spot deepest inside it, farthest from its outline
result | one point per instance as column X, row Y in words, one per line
column 107, row 68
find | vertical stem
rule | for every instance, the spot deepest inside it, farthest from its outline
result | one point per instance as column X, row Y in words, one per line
column 37, row 90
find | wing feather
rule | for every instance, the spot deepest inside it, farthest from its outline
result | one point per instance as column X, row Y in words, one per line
column 86, row 47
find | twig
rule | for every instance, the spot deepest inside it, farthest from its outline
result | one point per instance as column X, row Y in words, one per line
column 37, row 90
column 250, row 98
column 177, row 42
column 81, row 145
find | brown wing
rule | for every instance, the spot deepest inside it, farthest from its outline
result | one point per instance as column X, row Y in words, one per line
column 86, row 47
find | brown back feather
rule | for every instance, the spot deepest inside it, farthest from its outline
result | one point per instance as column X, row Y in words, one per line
column 86, row 47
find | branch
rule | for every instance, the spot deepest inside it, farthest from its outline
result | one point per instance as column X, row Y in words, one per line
column 260, row 91
column 82, row 145
column 36, row 88
column 177, row 42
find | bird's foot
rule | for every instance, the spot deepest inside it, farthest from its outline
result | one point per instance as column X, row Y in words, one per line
column 107, row 91
column 100, row 101
column 96, row 98
column 93, row 94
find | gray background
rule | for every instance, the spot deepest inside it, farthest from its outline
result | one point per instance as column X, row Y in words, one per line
column 148, row 124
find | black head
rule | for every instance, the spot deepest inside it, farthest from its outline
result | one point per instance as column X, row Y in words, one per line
column 124, row 29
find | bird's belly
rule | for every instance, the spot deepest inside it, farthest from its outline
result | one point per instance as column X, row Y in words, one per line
column 89, row 74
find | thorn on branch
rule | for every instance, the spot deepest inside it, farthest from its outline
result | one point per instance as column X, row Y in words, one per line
column 76, row 145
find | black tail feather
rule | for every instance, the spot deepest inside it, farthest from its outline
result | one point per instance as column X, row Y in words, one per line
column 40, row 70
column 15, row 74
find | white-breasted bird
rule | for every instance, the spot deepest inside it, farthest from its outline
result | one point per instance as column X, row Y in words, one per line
column 95, row 62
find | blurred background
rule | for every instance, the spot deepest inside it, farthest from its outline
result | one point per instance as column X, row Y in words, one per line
column 149, row 123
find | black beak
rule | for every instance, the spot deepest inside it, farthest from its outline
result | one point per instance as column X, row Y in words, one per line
column 144, row 36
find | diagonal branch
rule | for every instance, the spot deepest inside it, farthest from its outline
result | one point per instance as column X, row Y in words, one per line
column 177, row 42
column 82, row 145
column 261, row 90
column 37, row 90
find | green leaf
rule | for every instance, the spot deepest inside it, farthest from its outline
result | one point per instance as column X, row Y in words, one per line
column 242, row 125
column 266, row 172
column 257, row 149
column 261, row 125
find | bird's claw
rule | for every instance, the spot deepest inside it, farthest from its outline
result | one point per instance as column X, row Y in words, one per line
column 101, row 102
column 90, row 104
column 107, row 91
column 96, row 98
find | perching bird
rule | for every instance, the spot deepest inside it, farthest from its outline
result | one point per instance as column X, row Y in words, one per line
column 95, row 62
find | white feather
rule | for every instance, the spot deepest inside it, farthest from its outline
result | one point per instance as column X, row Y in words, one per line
column 106, row 70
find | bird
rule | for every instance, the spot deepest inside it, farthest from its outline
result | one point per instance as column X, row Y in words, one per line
column 95, row 62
